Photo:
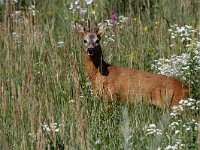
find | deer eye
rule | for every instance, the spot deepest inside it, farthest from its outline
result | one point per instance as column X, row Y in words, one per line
column 97, row 41
column 85, row 41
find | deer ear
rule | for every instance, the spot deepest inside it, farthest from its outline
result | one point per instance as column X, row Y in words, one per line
column 79, row 27
column 102, row 28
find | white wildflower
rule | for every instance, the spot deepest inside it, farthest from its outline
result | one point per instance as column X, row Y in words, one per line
column 180, row 29
column 183, row 39
column 170, row 30
column 53, row 127
column 193, row 31
column 46, row 128
column 98, row 141
column 173, row 37
column 76, row 2
column 152, row 130
column 123, row 19
column 71, row 6
column 188, row 26
column 18, row 12
column 60, row 43
column 188, row 129
column 111, row 39
column 152, row 126
column 88, row 2
column 177, row 131
column 83, row 10
column 171, row 147
column 72, row 101
column 57, row 130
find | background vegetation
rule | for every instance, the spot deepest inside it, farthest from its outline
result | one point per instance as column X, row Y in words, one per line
column 46, row 100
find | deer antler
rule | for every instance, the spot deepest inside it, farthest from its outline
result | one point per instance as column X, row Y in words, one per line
column 88, row 25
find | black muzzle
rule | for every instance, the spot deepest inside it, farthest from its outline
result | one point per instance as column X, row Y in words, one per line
column 90, row 51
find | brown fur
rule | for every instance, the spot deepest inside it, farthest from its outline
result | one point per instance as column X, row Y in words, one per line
column 127, row 84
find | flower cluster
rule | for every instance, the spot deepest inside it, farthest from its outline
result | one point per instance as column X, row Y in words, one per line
column 177, row 127
column 76, row 7
column 185, row 33
column 32, row 10
column 18, row 14
column 52, row 127
column 60, row 43
column 114, row 21
column 173, row 132
column 109, row 39
column 187, row 104
column 187, row 126
column 151, row 129
column 175, row 146
column 180, row 66
column 120, row 21
column 190, row 104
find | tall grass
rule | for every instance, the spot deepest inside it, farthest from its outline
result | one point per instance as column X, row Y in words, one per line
column 46, row 98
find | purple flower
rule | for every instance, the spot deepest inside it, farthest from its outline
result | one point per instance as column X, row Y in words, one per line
column 114, row 16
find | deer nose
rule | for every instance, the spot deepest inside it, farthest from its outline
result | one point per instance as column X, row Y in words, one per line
column 90, row 51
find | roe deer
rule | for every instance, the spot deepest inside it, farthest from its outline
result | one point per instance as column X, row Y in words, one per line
column 127, row 84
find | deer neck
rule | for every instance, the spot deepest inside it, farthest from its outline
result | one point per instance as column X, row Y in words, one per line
column 95, row 64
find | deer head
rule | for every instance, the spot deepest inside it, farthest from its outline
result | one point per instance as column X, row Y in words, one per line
column 92, row 39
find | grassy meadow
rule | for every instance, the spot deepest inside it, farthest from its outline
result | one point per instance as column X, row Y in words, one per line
column 46, row 99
